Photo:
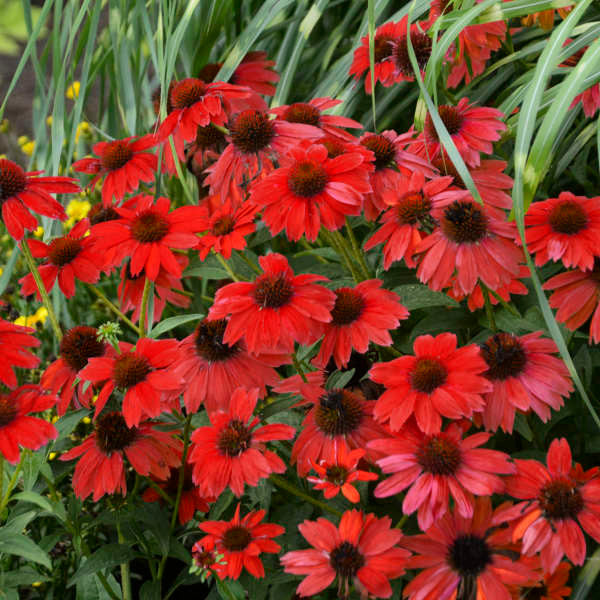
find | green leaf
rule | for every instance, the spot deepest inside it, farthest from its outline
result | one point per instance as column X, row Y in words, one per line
column 230, row 590
column 19, row 545
column 207, row 272
column 173, row 322
column 417, row 295
column 586, row 578
column 106, row 557
column 339, row 379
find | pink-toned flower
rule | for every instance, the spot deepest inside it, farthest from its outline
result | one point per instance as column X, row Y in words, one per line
column 15, row 344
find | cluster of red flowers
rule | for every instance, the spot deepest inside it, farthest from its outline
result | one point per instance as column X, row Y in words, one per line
column 299, row 170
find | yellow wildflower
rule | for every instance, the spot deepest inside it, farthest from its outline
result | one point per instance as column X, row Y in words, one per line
column 49, row 120
column 73, row 90
column 82, row 129
column 77, row 210
column 40, row 316
column 39, row 232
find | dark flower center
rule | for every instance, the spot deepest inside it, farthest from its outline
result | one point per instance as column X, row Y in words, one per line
column 223, row 226
column 116, row 154
column 464, row 222
column 252, row 131
column 428, row 374
column 346, row 560
column 63, row 250
column 80, row 344
column 413, row 208
column 187, row 92
column 446, row 167
column 102, row 214
column 537, row 593
column 236, row 539
column 8, row 410
column 568, row 217
column 149, row 227
column 334, row 147
column 113, row 434
column 273, row 291
column 172, row 484
column 339, row 412
column 12, row 179
column 439, row 455
column 451, row 117
column 302, row 112
column 469, row 555
column 234, row 439
column 336, row 474
column 204, row 558
column 561, row 499
column 209, row 136
column 209, row 72
column 129, row 370
column 382, row 148
column 421, row 44
column 209, row 341
column 349, row 305
column 383, row 47
column 307, row 178
column 504, row 355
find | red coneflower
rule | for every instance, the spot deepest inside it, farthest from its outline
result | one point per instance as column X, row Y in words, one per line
column 17, row 427
column 231, row 452
column 147, row 232
column 311, row 387
column 123, row 164
column 472, row 243
column 546, row 586
column 101, row 468
column 340, row 418
column 440, row 380
column 15, row 342
column 241, row 542
column 525, row 376
column 144, row 373
column 438, row 465
column 78, row 345
column 68, row 258
column 566, row 228
column 212, row 369
column 589, row 98
column 226, row 229
column 472, row 129
column 361, row 551
column 339, row 474
column 363, row 314
column 557, row 504
column 275, row 310
column 310, row 189
column 463, row 556
column 409, row 219
column 21, row 192
column 191, row 498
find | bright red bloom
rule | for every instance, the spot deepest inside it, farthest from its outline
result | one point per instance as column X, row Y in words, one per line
column 546, row 586
column 144, row 373
column 191, row 499
column 241, row 542
column 311, row 113
column 275, row 310
column 576, row 296
column 557, row 505
column 341, row 418
column 311, row 390
column 17, row 428
column 473, row 243
column 525, row 375
column 409, row 219
column 459, row 554
column 78, row 345
column 339, row 474
column 361, row 551
column 440, row 380
column 231, row 452
column 566, row 228
column 21, row 192
column 15, row 342
column 472, row 129
column 311, row 189
column 438, row 465
column 68, row 258
column 148, row 233
column 101, row 468
column 363, row 314
column 226, row 229
column 123, row 164
column 212, row 369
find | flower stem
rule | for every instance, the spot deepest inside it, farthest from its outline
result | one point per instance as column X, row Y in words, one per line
column 489, row 310
column 144, row 308
column 360, row 255
column 282, row 483
column 42, row 289
column 226, row 266
column 112, row 307
column 125, row 574
column 255, row 268
column 160, row 491
column 298, row 367
column 342, row 253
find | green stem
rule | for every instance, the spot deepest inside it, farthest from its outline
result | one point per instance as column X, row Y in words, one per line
column 227, row 267
column 254, row 267
column 489, row 310
column 144, row 308
column 113, row 308
column 41, row 289
column 125, row 574
column 282, row 483
column 341, row 252
column 160, row 491
column 298, row 367
column 401, row 522
column 1, row 474
column 356, row 249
